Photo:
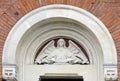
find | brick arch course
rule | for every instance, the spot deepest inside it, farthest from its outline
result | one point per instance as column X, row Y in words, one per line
column 108, row 11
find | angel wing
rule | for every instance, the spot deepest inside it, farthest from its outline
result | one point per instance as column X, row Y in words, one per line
column 77, row 52
column 48, row 49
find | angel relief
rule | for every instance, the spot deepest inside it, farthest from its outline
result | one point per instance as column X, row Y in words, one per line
column 61, row 54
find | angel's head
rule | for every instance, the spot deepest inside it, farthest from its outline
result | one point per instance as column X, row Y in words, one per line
column 61, row 43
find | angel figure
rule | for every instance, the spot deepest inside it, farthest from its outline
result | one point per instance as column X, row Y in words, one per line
column 61, row 54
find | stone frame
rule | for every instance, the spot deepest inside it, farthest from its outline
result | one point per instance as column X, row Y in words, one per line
column 62, row 13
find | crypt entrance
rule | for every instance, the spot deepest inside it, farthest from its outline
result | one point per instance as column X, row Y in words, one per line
column 49, row 42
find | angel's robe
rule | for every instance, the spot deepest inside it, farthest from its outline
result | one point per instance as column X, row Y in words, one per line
column 61, row 55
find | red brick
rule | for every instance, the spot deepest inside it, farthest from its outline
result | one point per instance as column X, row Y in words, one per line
column 88, row 4
column 77, row 3
column 6, row 16
column 5, row 23
column 108, row 17
column 100, row 12
column 58, row 1
column 117, row 1
column 36, row 4
column 68, row 2
column 19, row 9
column 95, row 6
column 110, row 0
column 117, row 10
column 21, row 6
column 116, row 36
column 113, row 4
column 64, row 1
column 30, row 4
column 1, row 11
column 13, row 13
column 25, row 4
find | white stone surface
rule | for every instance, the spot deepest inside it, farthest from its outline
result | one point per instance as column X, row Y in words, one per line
column 61, row 54
column 110, row 72
column 9, row 72
column 35, row 71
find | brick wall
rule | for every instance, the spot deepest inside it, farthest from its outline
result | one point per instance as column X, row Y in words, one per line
column 108, row 11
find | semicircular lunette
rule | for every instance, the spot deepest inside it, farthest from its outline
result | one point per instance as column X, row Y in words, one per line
column 61, row 51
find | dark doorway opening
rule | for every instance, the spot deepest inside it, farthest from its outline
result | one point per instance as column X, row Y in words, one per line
column 3, row 79
column 61, row 78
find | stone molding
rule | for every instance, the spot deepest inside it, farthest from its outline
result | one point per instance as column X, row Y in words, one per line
column 9, row 72
column 53, row 11
column 110, row 72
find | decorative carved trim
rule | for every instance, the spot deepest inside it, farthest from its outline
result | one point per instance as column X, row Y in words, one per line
column 110, row 72
column 9, row 72
column 61, row 54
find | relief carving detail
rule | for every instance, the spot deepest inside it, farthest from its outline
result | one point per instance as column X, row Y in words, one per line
column 61, row 54
column 9, row 72
column 110, row 72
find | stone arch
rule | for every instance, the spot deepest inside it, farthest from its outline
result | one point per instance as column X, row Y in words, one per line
column 20, row 44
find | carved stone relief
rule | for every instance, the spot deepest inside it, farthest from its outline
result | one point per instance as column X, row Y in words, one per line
column 9, row 72
column 61, row 54
column 110, row 72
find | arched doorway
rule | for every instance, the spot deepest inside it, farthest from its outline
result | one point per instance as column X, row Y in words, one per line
column 56, row 22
